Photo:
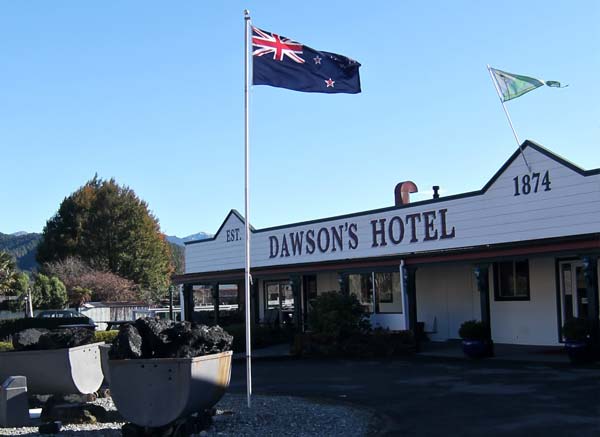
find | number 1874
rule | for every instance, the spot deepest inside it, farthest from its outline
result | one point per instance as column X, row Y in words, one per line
column 531, row 183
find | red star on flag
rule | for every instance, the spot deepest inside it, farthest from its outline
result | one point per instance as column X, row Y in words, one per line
column 330, row 83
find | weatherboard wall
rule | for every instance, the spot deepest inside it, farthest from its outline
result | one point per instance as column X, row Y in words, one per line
column 562, row 201
column 532, row 321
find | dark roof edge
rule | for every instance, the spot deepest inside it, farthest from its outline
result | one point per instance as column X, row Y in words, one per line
column 509, row 161
column 593, row 238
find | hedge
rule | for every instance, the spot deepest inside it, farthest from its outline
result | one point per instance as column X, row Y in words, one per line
column 106, row 336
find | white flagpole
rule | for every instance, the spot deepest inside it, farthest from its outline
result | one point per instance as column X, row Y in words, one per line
column 508, row 116
column 247, row 278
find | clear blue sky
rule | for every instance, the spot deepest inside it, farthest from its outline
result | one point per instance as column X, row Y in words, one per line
column 151, row 93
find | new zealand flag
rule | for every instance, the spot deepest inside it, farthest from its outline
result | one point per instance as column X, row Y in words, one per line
column 283, row 63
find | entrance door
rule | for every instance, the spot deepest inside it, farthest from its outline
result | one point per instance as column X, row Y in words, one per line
column 279, row 302
column 573, row 292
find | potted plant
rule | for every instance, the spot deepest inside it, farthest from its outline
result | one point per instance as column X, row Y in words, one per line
column 576, row 332
column 476, row 341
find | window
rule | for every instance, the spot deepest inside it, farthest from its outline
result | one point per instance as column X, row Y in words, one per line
column 381, row 287
column 387, row 291
column 229, row 296
column 511, row 280
column 361, row 285
column 204, row 297
column 279, row 295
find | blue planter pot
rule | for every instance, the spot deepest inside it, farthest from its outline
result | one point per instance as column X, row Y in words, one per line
column 478, row 348
column 579, row 352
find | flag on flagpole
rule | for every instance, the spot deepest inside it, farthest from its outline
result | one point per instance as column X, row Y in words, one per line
column 280, row 62
column 515, row 85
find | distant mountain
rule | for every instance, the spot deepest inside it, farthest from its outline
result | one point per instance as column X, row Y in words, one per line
column 180, row 241
column 23, row 247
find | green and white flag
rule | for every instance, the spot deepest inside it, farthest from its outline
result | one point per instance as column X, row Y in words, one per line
column 514, row 85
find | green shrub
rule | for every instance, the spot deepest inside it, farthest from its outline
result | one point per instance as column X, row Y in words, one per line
column 576, row 329
column 5, row 346
column 106, row 336
column 337, row 314
column 473, row 330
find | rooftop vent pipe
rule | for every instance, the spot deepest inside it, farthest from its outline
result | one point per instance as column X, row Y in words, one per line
column 402, row 192
column 436, row 188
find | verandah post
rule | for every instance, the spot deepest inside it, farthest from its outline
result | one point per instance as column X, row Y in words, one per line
column 410, row 284
column 590, row 271
column 482, row 274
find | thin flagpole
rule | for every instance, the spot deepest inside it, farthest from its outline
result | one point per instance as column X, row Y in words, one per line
column 247, row 204
column 508, row 116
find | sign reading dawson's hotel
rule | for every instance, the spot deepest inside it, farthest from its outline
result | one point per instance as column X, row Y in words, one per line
column 344, row 236
column 554, row 199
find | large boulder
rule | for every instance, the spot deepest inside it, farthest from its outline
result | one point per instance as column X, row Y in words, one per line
column 153, row 336
column 27, row 339
column 127, row 344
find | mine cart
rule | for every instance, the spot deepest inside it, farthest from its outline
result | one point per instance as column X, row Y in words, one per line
column 75, row 370
column 155, row 392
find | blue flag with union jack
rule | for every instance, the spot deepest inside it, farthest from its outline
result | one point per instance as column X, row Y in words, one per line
column 280, row 62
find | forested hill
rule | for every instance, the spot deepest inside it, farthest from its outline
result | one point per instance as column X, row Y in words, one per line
column 22, row 246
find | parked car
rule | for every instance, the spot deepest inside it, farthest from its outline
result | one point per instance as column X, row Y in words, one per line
column 68, row 316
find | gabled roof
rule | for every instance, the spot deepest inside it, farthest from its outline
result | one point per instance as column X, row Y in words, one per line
column 234, row 213
column 543, row 151
column 511, row 159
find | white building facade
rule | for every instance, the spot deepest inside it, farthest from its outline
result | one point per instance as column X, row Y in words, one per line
column 521, row 254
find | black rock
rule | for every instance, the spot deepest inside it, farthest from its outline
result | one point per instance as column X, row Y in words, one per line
column 50, row 428
column 165, row 339
column 153, row 337
column 210, row 340
column 27, row 339
column 180, row 338
column 66, row 338
column 43, row 339
column 127, row 344
column 73, row 413
column 37, row 401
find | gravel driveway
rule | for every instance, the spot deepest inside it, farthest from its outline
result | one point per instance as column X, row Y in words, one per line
column 269, row 416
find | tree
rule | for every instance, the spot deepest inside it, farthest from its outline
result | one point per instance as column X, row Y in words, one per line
column 48, row 293
column 177, row 258
column 20, row 291
column 8, row 273
column 110, row 229
column 86, row 284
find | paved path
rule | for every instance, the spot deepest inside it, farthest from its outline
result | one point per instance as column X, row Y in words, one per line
column 425, row 396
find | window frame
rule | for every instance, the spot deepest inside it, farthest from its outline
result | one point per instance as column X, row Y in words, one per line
column 375, row 294
column 498, row 296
